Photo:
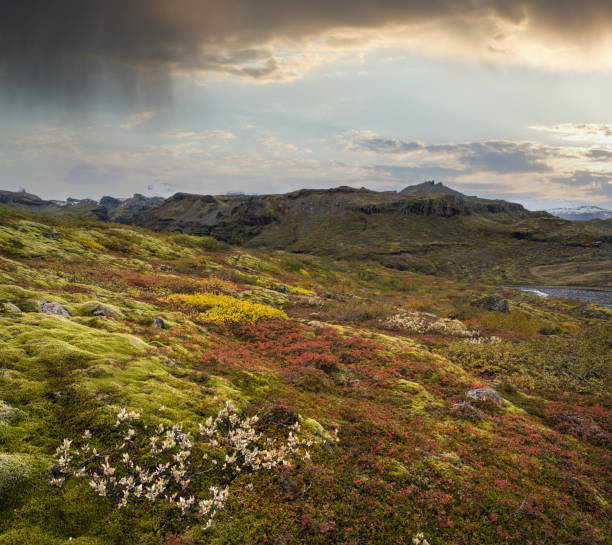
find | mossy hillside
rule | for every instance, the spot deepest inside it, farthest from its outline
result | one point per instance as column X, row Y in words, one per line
column 534, row 470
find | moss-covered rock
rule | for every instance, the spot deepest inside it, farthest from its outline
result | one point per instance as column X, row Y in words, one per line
column 265, row 296
column 96, row 308
column 27, row 304
column 16, row 472
column 9, row 308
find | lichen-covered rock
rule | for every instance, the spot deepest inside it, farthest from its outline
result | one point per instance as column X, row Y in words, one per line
column 8, row 414
column 495, row 303
column 9, row 308
column 53, row 307
column 485, row 394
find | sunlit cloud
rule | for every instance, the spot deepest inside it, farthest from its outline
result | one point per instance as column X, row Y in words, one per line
column 592, row 133
column 200, row 135
column 134, row 120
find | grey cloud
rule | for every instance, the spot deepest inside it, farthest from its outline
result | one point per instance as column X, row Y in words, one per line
column 86, row 174
column 502, row 157
column 80, row 48
column 600, row 154
column 585, row 178
column 384, row 145
column 498, row 156
column 598, row 183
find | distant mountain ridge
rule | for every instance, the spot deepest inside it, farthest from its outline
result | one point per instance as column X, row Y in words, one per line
column 427, row 228
column 582, row 213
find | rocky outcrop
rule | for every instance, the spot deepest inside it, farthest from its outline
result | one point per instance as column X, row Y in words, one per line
column 430, row 188
column 127, row 211
column 495, row 303
column 485, row 394
column 26, row 200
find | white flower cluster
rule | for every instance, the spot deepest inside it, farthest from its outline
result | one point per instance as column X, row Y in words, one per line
column 485, row 340
column 419, row 539
column 173, row 467
column 423, row 322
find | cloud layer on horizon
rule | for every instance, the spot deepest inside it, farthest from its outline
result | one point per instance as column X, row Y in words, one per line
column 573, row 165
column 60, row 162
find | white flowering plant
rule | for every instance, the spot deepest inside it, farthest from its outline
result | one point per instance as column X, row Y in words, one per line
column 190, row 473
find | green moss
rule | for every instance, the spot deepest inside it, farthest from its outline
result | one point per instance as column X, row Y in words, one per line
column 16, row 473
column 409, row 386
column 29, row 536
column 88, row 309
column 143, row 384
column 9, row 355
column 11, row 292
column 265, row 296
column 224, row 389
column 394, row 469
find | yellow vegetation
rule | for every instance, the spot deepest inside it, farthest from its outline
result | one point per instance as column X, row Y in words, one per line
column 218, row 308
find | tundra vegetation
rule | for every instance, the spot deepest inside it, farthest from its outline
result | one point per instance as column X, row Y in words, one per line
column 169, row 389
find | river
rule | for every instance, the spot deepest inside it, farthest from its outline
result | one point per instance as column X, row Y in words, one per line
column 601, row 296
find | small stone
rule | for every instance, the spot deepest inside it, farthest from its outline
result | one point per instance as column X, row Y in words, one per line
column 485, row 394
column 53, row 307
column 160, row 323
column 282, row 288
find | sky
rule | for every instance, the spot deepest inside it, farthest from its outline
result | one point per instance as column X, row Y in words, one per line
column 496, row 98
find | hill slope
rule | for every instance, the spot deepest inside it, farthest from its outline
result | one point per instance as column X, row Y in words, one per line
column 424, row 230
column 172, row 326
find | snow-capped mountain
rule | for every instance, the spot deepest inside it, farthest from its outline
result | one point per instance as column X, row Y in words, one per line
column 582, row 213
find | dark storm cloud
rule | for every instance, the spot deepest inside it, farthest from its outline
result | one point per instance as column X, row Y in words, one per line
column 77, row 47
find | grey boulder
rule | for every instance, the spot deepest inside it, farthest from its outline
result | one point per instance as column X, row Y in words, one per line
column 53, row 307
column 485, row 394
